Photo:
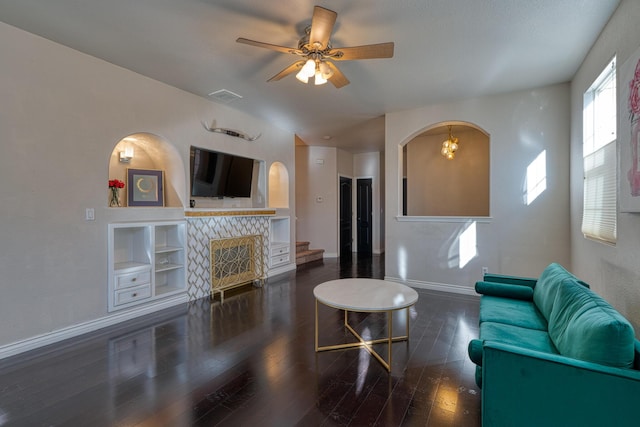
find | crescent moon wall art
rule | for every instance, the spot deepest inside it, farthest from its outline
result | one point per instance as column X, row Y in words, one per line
column 146, row 187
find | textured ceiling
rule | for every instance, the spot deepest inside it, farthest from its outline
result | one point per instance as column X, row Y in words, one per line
column 444, row 50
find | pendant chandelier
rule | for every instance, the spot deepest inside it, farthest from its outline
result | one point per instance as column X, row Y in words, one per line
column 450, row 146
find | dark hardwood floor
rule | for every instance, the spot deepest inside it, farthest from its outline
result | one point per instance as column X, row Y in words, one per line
column 251, row 362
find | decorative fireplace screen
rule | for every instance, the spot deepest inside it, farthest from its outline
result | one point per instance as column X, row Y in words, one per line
column 235, row 261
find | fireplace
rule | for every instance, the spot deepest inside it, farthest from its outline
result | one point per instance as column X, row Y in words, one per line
column 235, row 261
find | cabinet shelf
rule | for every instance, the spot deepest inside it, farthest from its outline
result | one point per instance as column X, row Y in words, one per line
column 146, row 262
column 167, row 267
column 129, row 266
column 166, row 290
column 279, row 241
column 167, row 249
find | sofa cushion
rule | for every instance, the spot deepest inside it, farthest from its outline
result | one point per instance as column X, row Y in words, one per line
column 475, row 351
column 544, row 293
column 505, row 290
column 510, row 311
column 584, row 326
column 514, row 335
column 513, row 280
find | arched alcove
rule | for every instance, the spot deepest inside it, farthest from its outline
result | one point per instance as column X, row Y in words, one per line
column 152, row 152
column 278, row 186
column 435, row 185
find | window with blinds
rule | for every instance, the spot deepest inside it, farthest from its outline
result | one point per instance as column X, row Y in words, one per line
column 599, row 154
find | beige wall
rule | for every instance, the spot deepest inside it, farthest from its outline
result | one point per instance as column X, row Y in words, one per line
column 440, row 187
column 61, row 115
column 612, row 271
column 517, row 238
column 317, row 197
column 345, row 163
column 369, row 165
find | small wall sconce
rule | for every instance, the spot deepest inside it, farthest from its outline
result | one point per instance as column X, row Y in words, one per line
column 126, row 155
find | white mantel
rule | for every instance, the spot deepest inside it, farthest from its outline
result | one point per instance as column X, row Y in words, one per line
column 199, row 212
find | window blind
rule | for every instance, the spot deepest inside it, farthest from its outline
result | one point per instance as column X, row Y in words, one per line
column 599, row 154
column 599, row 213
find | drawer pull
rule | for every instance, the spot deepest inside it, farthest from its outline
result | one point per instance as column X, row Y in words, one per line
column 135, row 294
column 134, row 279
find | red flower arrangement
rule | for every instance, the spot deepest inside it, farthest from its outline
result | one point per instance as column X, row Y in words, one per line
column 116, row 183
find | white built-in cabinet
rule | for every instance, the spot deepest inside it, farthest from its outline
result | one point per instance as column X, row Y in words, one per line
column 147, row 262
column 279, row 241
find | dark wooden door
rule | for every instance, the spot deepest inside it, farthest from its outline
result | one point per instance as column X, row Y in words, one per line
column 346, row 223
column 364, row 216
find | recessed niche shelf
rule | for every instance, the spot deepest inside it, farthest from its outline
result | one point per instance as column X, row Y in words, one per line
column 152, row 152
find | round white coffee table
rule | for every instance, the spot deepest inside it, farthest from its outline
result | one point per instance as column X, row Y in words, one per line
column 368, row 296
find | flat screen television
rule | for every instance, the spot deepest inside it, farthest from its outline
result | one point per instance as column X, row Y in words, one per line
column 215, row 174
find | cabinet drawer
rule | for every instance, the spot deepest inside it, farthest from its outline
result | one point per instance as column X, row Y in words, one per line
column 133, row 279
column 279, row 259
column 279, row 250
column 132, row 294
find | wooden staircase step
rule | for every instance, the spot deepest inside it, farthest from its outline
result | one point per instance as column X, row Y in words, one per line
column 302, row 246
column 309, row 255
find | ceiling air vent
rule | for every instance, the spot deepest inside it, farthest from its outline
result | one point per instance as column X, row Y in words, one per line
column 224, row 96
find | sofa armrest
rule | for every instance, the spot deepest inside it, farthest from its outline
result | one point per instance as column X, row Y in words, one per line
column 505, row 290
column 512, row 280
column 554, row 390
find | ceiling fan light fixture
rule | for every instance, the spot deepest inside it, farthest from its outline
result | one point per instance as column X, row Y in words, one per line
column 308, row 69
column 302, row 77
column 315, row 48
column 325, row 70
column 319, row 79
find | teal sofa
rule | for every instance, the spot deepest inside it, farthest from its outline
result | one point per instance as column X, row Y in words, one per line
column 551, row 352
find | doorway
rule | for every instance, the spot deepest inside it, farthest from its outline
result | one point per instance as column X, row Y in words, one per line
column 346, row 213
column 364, row 215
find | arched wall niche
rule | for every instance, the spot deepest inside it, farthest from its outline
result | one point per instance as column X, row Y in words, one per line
column 434, row 186
column 151, row 152
column 278, row 186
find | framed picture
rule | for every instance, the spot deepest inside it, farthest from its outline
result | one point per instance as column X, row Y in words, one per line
column 145, row 187
column 629, row 134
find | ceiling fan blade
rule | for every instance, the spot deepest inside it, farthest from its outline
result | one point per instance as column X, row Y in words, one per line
column 337, row 79
column 269, row 46
column 290, row 69
column 322, row 26
column 370, row 51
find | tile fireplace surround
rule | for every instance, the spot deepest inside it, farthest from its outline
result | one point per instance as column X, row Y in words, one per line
column 204, row 225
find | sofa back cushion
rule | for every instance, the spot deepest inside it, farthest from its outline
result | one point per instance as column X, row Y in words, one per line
column 544, row 293
column 584, row 326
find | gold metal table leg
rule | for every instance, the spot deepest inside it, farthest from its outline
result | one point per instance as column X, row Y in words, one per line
column 390, row 330
column 407, row 322
column 366, row 344
column 316, row 326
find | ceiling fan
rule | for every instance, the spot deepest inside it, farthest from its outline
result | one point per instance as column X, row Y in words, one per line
column 317, row 53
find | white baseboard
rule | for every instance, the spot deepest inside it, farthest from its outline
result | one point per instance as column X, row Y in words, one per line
column 330, row 255
column 90, row 326
column 282, row 269
column 442, row 287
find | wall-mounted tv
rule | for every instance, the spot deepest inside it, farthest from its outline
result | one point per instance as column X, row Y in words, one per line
column 215, row 174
